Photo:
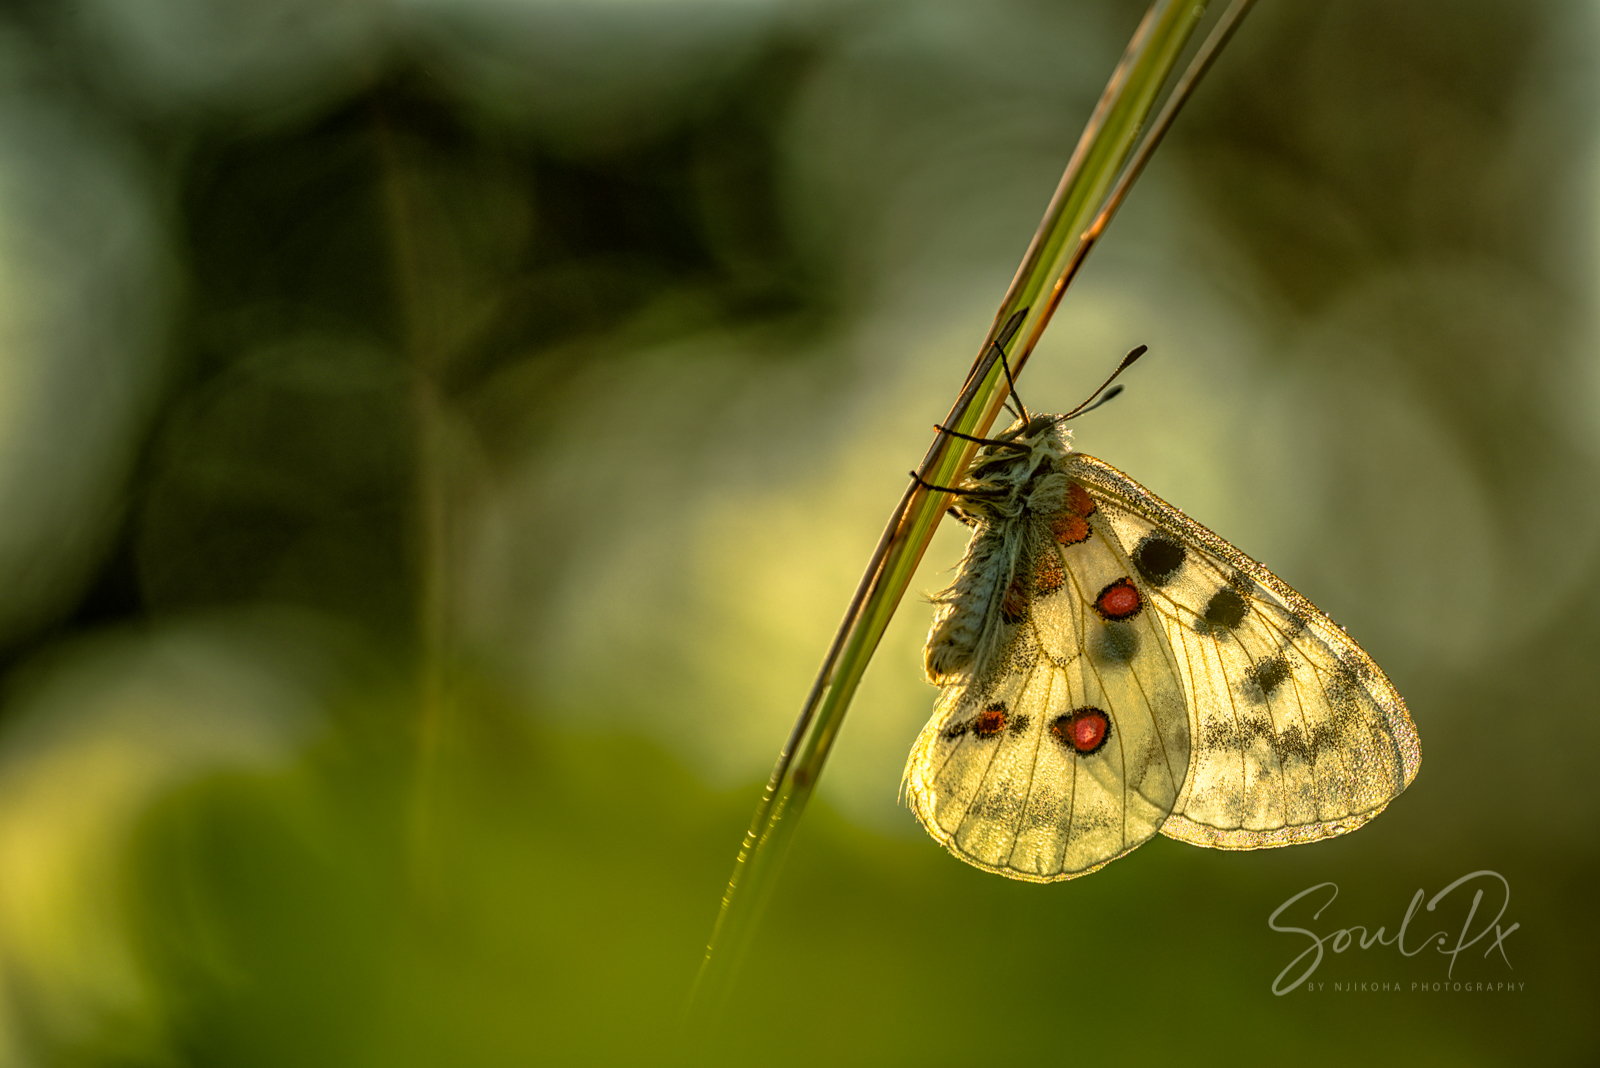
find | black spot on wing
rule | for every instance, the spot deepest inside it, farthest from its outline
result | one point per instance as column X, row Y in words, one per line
column 1158, row 557
column 1225, row 609
column 1266, row 676
column 1233, row 733
column 1019, row 724
column 1242, row 584
column 1295, row 742
column 1344, row 693
column 1113, row 644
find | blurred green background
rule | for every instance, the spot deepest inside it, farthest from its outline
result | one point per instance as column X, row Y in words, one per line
column 438, row 438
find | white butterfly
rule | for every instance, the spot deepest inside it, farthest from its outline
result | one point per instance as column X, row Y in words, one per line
column 1112, row 669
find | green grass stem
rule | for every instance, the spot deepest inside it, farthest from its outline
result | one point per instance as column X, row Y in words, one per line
column 1109, row 156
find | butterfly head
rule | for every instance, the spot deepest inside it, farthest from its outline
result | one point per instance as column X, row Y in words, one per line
column 1008, row 471
column 1032, row 439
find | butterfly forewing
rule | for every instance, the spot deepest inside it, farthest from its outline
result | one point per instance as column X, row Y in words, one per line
column 1297, row 734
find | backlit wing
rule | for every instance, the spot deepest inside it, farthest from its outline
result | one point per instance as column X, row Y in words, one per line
column 1070, row 748
column 1297, row 734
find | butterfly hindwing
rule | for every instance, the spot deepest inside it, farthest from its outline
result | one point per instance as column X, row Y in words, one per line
column 1070, row 748
column 1297, row 734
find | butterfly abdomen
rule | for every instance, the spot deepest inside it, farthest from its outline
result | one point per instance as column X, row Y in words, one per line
column 968, row 604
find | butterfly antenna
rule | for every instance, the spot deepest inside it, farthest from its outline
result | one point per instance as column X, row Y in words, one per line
column 1101, row 395
column 1109, row 395
column 1001, row 340
column 956, row 490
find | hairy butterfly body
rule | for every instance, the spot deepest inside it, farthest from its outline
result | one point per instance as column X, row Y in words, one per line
column 1111, row 669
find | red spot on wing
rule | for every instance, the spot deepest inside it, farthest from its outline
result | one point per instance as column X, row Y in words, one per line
column 1071, row 525
column 1048, row 576
column 1088, row 732
column 1069, row 529
column 1084, row 730
column 990, row 722
column 1078, row 501
column 1120, row 600
column 1014, row 608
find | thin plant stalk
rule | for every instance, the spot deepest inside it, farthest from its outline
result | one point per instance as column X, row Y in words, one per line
column 1108, row 157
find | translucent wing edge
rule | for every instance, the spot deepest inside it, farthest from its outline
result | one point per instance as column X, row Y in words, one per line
column 1183, row 829
column 920, row 792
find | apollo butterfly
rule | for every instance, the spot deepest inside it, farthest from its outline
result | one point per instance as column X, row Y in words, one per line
column 1111, row 669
